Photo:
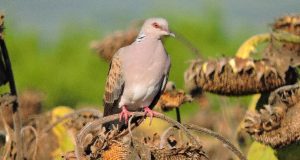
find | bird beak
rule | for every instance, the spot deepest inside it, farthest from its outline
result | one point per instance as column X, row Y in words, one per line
column 168, row 32
column 171, row 34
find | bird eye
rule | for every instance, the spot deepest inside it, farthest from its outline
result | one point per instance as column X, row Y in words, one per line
column 155, row 25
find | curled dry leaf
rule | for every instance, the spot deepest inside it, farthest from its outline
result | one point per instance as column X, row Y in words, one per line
column 277, row 124
column 236, row 76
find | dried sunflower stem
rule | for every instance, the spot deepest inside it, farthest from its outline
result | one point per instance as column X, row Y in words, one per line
column 251, row 44
column 16, row 114
column 18, row 138
column 36, row 139
column 129, row 126
column 226, row 143
column 286, row 36
column 67, row 116
column 188, row 44
column 79, row 150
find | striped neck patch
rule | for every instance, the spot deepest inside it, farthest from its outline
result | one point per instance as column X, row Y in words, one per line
column 140, row 37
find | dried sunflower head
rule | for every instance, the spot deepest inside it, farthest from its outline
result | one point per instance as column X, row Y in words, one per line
column 190, row 78
column 30, row 104
column 289, row 23
column 172, row 98
column 105, row 145
column 277, row 125
column 78, row 121
column 116, row 151
column 284, row 52
column 107, row 47
column 176, row 148
column 189, row 153
column 237, row 76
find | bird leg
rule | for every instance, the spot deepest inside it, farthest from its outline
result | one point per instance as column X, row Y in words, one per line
column 124, row 114
column 147, row 110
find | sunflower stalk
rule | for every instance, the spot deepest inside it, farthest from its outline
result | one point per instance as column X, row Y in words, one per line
column 13, row 92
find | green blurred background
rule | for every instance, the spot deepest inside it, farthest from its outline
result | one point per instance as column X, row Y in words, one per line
column 48, row 41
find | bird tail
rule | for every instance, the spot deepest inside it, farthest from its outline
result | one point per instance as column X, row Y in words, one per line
column 110, row 109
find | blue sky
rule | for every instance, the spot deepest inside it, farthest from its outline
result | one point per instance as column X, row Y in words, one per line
column 48, row 16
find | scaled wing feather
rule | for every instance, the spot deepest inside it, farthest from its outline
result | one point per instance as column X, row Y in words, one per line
column 114, row 86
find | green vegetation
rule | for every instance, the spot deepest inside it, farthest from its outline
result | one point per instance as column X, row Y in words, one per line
column 68, row 72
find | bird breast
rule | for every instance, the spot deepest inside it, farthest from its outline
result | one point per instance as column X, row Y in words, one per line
column 143, row 76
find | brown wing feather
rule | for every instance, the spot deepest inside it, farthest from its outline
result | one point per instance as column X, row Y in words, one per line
column 114, row 87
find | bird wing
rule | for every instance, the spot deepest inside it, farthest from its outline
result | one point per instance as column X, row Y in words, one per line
column 114, row 86
column 163, row 83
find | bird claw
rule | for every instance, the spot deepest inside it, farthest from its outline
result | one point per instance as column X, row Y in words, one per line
column 147, row 110
column 124, row 114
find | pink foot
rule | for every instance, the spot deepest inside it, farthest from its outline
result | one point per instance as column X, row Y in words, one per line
column 124, row 114
column 147, row 110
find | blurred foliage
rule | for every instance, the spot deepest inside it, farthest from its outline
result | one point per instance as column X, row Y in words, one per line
column 66, row 71
column 65, row 141
column 70, row 74
column 290, row 152
column 261, row 151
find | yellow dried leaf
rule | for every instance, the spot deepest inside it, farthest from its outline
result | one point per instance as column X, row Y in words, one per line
column 63, row 137
column 261, row 152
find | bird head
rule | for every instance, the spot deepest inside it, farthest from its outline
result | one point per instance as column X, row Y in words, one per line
column 157, row 27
